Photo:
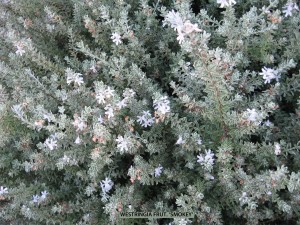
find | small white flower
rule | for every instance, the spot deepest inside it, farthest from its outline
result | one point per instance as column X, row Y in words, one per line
column 35, row 198
column 146, row 119
column 73, row 77
column 109, row 111
column 209, row 176
column 109, row 92
column 44, row 195
column 180, row 37
column 277, row 149
column 93, row 69
column 180, row 141
column 3, row 190
column 100, row 97
column 158, row 171
column 268, row 123
column 20, row 51
column 182, row 28
column 100, row 120
column 188, row 27
column 225, row 3
column 65, row 159
column 106, row 185
column 47, row 117
column 162, row 105
column 252, row 115
column 50, row 143
column 78, row 140
column 289, row 7
column 79, row 124
column 269, row 74
column 199, row 141
column 174, row 19
column 116, row 38
column 207, row 161
column 122, row 104
column 244, row 198
column 123, row 143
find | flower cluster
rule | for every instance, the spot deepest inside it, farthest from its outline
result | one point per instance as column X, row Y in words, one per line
column 207, row 161
column 73, row 77
column 289, row 8
column 226, row 3
column 162, row 105
column 182, row 28
column 104, row 94
column 79, row 123
column 146, row 119
column 38, row 199
column 269, row 74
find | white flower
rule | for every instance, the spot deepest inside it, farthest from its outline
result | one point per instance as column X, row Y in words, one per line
column 65, row 159
column 100, row 96
column 253, row 116
column 244, row 198
column 199, row 141
column 188, row 27
column 268, row 123
column 106, row 185
column 100, row 120
column 269, row 74
column 78, row 140
column 182, row 28
column 50, row 143
column 180, row 141
column 162, row 105
column 20, row 51
column 80, row 124
column 180, row 37
column 277, row 149
column 207, row 161
column 209, row 176
column 122, row 104
column 123, row 143
column 35, row 198
column 128, row 93
column 109, row 92
column 225, row 3
column 174, row 19
column 158, row 171
column 146, row 119
column 109, row 111
column 73, row 77
column 3, row 190
column 116, row 38
column 44, row 195
column 289, row 7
